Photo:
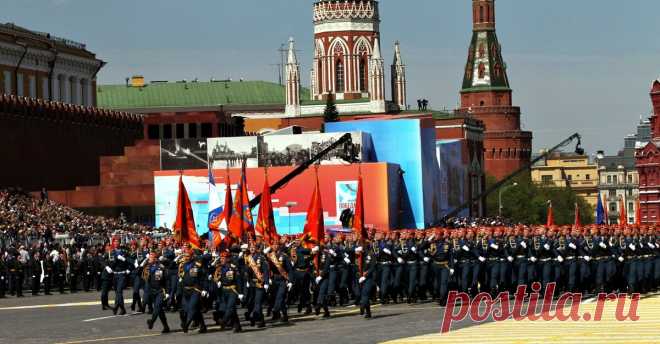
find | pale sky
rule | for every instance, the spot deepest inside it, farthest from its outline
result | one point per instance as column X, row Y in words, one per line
column 574, row 65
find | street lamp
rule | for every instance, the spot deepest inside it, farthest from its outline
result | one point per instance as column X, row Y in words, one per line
column 502, row 189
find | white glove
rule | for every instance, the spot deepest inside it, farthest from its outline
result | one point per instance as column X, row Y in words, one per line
column 572, row 245
column 289, row 286
column 162, row 258
column 546, row 246
column 120, row 257
column 587, row 258
column 430, row 238
column 632, row 247
column 247, row 284
column 244, row 247
column 108, row 269
column 427, row 259
column 267, row 250
column 332, row 252
column 560, row 259
column 451, row 272
column 362, row 279
column 348, row 261
column 180, row 280
column 532, row 259
column 128, row 271
column 358, row 249
column 602, row 244
column 219, row 284
column 205, row 293
column 387, row 251
column 266, row 287
column 400, row 260
column 240, row 297
column 494, row 246
column 33, row 276
column 523, row 244
column 210, row 277
column 651, row 245
column 318, row 279
column 414, row 249
column 135, row 263
column 240, row 255
column 465, row 248
column 315, row 249
column 167, row 296
column 482, row 259
column 509, row 258
column 621, row 259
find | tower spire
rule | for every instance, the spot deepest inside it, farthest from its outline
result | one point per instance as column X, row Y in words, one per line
column 483, row 15
column 292, row 107
column 399, row 85
column 377, row 79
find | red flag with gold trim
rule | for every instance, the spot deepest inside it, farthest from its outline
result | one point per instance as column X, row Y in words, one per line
column 550, row 221
column 241, row 223
column 184, row 226
column 265, row 220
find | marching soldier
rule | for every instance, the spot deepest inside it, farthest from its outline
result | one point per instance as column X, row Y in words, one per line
column 120, row 268
column 570, row 254
column 74, row 272
column 301, row 258
column 106, row 278
column 365, row 279
column 257, row 278
column 88, row 271
column 322, row 274
column 442, row 265
column 227, row 276
column 192, row 279
column 154, row 274
column 280, row 272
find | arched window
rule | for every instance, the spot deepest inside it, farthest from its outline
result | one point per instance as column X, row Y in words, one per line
column 481, row 14
column 363, row 75
column 482, row 71
column 482, row 50
column 339, row 77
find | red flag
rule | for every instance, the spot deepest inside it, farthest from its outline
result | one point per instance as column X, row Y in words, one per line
column 623, row 215
column 184, row 227
column 550, row 220
column 577, row 216
column 266, row 221
column 240, row 223
column 227, row 209
column 358, row 220
column 358, row 217
column 638, row 213
column 607, row 217
column 314, row 228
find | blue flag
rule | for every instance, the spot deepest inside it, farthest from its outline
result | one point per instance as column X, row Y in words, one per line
column 600, row 212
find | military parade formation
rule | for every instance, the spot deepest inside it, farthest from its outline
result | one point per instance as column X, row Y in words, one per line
column 255, row 280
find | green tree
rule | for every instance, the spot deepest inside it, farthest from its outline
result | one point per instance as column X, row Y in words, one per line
column 330, row 114
column 527, row 202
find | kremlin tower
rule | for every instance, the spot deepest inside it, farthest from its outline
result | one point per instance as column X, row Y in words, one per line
column 486, row 96
column 348, row 64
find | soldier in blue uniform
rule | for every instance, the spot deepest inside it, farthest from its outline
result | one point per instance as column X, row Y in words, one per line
column 570, row 254
column 192, row 279
column 365, row 279
column 257, row 279
column 383, row 252
column 228, row 279
column 155, row 275
column 120, row 266
column 321, row 278
column 301, row 257
column 280, row 272
column 441, row 257
column 410, row 256
column 106, row 279
column 628, row 248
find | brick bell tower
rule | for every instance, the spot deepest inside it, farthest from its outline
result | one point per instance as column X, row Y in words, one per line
column 486, row 95
column 347, row 57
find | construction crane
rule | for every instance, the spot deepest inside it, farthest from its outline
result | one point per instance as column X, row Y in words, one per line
column 488, row 191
